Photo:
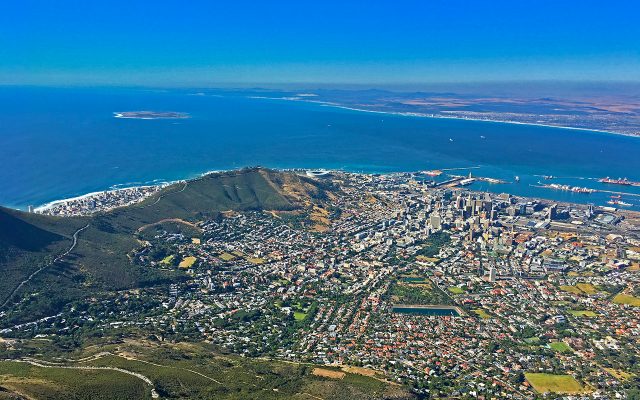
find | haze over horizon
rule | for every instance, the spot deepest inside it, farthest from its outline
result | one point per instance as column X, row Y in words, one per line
column 179, row 44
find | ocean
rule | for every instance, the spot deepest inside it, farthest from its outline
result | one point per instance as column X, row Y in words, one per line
column 58, row 143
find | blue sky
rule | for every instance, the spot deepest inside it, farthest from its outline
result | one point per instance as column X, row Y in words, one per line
column 191, row 43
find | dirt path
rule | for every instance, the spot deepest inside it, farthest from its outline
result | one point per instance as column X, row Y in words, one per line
column 55, row 260
column 166, row 194
column 45, row 364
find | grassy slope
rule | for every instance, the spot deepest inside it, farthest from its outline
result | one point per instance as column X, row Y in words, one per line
column 196, row 371
column 26, row 242
column 52, row 383
column 100, row 260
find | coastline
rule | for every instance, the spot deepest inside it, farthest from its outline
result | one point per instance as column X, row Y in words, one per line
column 162, row 183
column 54, row 203
column 47, row 202
column 437, row 116
column 159, row 183
column 496, row 121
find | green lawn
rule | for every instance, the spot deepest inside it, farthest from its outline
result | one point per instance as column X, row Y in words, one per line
column 481, row 313
column 627, row 299
column 571, row 289
column 167, row 260
column 583, row 313
column 564, row 384
column 580, row 288
column 456, row 290
column 587, row 288
column 187, row 262
column 299, row 315
column 227, row 257
column 619, row 375
column 561, row 347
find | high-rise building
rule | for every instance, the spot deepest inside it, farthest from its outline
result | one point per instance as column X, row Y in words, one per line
column 435, row 221
column 553, row 212
column 459, row 202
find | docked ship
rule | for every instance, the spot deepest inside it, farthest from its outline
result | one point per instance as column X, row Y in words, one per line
column 434, row 172
column 567, row 188
column 620, row 203
column 619, row 181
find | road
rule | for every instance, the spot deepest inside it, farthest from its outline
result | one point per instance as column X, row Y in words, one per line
column 146, row 380
column 55, row 260
column 166, row 194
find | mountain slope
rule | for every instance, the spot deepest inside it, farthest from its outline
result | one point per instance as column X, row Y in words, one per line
column 100, row 260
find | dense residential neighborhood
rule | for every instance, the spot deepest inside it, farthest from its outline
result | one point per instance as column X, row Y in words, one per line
column 452, row 292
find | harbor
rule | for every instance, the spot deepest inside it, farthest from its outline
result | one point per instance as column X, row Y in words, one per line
column 437, row 178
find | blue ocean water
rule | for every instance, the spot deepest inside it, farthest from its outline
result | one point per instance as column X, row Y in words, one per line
column 60, row 143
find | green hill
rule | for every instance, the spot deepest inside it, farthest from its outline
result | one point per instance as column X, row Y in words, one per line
column 179, row 370
column 22, row 235
column 29, row 242
column 100, row 260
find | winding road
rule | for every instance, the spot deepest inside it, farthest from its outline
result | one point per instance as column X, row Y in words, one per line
column 40, row 364
column 166, row 194
column 145, row 379
column 55, row 260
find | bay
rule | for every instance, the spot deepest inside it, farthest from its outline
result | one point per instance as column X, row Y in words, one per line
column 63, row 142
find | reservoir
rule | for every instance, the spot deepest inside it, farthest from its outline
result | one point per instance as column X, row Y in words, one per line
column 434, row 310
column 414, row 280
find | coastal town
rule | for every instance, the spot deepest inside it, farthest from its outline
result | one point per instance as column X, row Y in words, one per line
column 98, row 202
column 452, row 292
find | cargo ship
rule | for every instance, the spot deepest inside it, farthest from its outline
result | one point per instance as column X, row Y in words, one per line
column 574, row 189
column 619, row 181
column 616, row 202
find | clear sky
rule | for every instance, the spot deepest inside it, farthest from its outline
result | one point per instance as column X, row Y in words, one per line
column 208, row 43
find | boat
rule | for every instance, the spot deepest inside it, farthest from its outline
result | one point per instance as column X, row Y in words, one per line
column 467, row 181
column 517, row 178
column 433, row 172
column 621, row 203
column 577, row 189
column 619, row 181
column 567, row 188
